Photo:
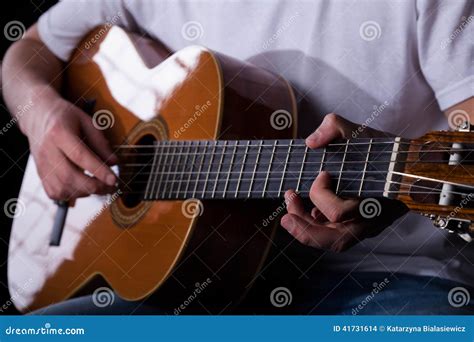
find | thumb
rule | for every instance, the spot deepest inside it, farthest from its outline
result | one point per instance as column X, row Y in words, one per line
column 94, row 135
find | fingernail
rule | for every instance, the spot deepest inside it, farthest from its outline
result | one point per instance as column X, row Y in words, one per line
column 313, row 137
column 110, row 180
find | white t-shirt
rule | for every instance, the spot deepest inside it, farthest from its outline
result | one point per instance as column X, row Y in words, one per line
column 412, row 57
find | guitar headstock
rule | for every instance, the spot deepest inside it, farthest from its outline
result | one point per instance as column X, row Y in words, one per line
column 436, row 178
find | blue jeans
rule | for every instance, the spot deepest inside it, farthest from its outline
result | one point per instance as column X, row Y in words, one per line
column 326, row 293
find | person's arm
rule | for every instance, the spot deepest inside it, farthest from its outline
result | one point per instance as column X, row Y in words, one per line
column 462, row 110
column 62, row 138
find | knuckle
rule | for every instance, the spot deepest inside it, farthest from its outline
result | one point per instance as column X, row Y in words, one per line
column 335, row 214
column 332, row 119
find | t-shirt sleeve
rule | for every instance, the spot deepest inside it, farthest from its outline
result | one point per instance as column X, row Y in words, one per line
column 63, row 26
column 445, row 46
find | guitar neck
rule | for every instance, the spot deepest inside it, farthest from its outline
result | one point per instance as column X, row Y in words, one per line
column 229, row 169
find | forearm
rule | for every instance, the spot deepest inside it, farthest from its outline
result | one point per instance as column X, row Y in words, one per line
column 31, row 76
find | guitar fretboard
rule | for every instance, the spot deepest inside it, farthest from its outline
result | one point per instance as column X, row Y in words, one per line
column 262, row 168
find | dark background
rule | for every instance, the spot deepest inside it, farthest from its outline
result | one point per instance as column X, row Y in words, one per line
column 13, row 145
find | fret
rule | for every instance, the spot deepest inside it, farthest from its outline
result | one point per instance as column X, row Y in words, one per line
column 184, row 157
column 200, row 168
column 285, row 167
column 153, row 166
column 255, row 167
column 365, row 168
column 269, row 167
column 155, row 176
column 160, row 182
column 230, row 168
column 322, row 161
column 169, row 172
column 242, row 169
column 219, row 168
column 342, row 167
column 191, row 170
column 209, row 168
column 301, row 170
column 177, row 167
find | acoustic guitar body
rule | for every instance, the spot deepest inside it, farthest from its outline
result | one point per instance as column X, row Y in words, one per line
column 197, row 257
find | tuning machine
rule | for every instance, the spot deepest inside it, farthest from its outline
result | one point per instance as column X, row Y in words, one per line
column 463, row 228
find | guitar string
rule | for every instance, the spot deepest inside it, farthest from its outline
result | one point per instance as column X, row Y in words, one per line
column 433, row 190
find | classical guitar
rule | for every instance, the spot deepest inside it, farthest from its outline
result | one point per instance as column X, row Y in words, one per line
column 206, row 152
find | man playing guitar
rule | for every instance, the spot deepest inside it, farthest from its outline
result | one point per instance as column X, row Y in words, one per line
column 342, row 57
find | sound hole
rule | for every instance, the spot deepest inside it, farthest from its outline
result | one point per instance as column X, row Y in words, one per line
column 135, row 166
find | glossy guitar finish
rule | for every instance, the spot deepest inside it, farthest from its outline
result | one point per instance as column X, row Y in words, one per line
column 139, row 248
column 162, row 111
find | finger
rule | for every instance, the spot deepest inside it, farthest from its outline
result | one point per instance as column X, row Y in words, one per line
column 333, row 127
column 299, row 229
column 97, row 141
column 331, row 206
column 75, row 149
column 318, row 236
column 78, row 184
column 294, row 205
column 318, row 216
